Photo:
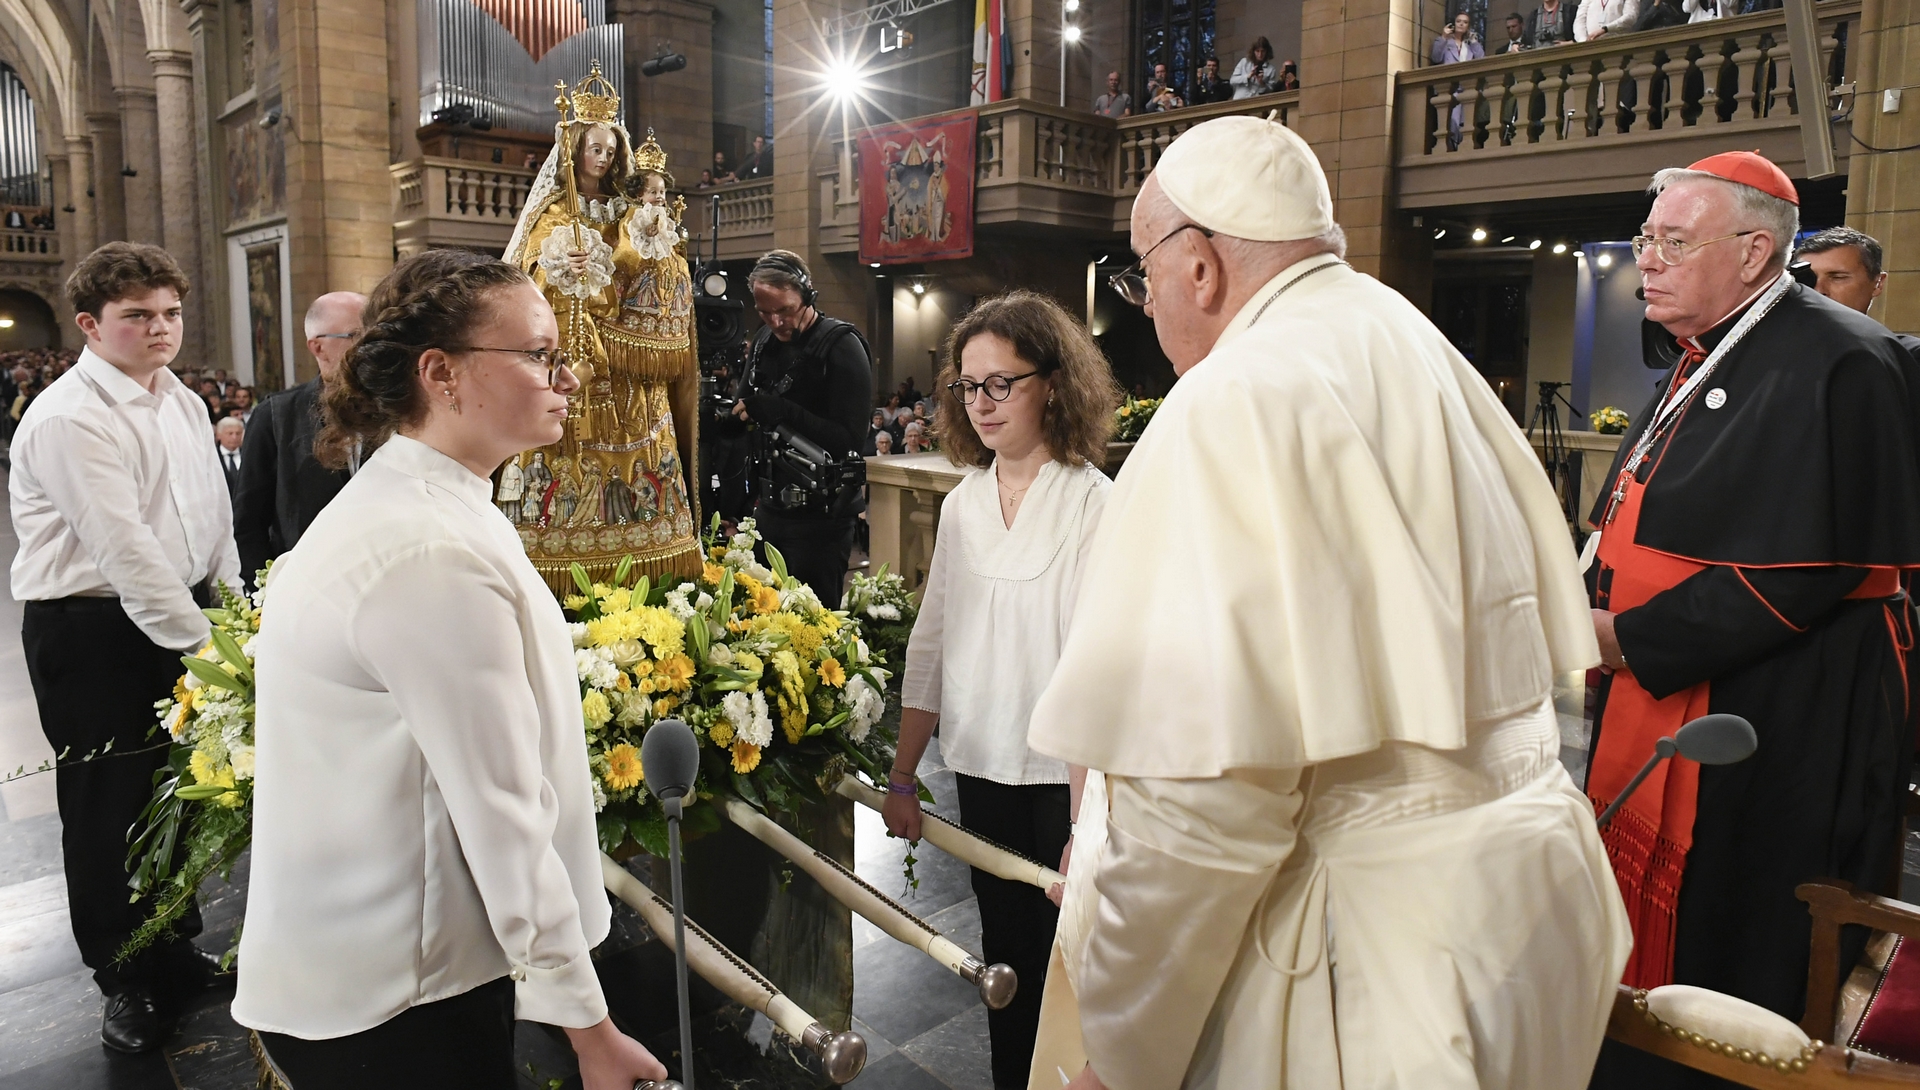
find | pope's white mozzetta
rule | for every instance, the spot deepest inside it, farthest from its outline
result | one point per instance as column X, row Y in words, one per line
column 423, row 816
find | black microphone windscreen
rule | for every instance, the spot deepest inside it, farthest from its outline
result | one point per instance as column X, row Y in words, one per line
column 1718, row 739
column 670, row 758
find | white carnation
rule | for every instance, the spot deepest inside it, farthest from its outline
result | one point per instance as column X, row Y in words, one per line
column 579, row 634
column 761, row 733
column 864, row 706
column 883, row 611
column 599, row 795
column 737, row 709
column 242, row 762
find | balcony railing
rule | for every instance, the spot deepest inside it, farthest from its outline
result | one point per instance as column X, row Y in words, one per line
column 1724, row 82
column 1040, row 163
column 30, row 244
column 456, row 202
column 746, row 218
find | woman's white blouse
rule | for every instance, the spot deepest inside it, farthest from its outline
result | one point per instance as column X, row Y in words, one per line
column 423, row 816
column 994, row 614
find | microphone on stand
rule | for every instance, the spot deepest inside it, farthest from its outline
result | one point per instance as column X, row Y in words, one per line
column 1718, row 739
column 670, row 758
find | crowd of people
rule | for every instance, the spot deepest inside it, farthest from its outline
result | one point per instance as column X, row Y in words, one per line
column 757, row 163
column 24, row 373
column 1254, row 74
column 902, row 424
column 1557, row 22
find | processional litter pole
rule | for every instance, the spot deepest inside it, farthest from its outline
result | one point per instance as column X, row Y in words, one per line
column 962, row 843
column 842, row 1055
column 996, row 982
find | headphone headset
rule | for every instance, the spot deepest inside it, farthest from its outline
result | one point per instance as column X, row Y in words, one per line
column 787, row 266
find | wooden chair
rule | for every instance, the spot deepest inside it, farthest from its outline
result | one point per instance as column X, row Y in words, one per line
column 1820, row 1066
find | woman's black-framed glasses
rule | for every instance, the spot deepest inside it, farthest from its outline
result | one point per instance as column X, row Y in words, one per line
column 1130, row 283
column 552, row 359
column 997, row 387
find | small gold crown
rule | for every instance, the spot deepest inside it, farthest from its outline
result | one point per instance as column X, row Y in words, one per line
column 650, row 156
column 592, row 100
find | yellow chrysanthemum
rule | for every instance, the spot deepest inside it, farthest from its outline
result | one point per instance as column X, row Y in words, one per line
column 661, row 630
column 575, row 602
column 595, row 710
column 720, row 733
column 829, row 623
column 619, row 601
column 664, row 706
column 802, row 638
column 831, row 673
column 677, row 672
column 711, row 574
column 746, row 757
column 204, row 773
column 747, row 662
column 623, row 767
column 601, row 590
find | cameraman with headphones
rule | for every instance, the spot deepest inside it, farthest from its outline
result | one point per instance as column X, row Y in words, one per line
column 811, row 377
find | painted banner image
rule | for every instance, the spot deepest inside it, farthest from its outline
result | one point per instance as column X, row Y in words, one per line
column 916, row 190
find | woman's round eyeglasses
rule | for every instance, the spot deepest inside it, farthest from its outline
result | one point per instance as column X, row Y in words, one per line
column 998, row 387
column 552, row 359
column 1131, row 282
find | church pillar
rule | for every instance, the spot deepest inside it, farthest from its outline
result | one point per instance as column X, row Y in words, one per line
column 140, row 148
column 333, row 56
column 1349, row 52
column 678, row 106
column 102, row 183
column 207, row 182
column 1883, row 188
column 179, row 214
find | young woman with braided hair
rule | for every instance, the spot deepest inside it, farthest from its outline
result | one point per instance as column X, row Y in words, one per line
column 425, row 867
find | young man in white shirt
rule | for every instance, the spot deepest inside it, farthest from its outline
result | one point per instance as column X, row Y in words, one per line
column 124, row 524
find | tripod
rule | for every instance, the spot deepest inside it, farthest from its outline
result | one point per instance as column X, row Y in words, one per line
column 1562, row 463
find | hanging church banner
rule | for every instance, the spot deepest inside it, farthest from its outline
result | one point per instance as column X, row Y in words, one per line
column 916, row 190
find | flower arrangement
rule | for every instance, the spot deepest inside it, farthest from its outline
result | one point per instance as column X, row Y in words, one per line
column 782, row 693
column 886, row 610
column 1609, row 421
column 1130, row 419
column 204, row 798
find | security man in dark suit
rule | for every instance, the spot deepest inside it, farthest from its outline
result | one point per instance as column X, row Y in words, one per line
column 282, row 486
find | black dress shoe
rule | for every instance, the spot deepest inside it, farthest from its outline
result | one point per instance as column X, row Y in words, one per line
column 132, row 1022
column 194, row 970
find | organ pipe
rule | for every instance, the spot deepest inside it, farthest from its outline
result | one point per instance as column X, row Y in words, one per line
column 483, row 55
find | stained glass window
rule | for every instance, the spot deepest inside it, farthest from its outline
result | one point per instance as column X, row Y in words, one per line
column 1178, row 34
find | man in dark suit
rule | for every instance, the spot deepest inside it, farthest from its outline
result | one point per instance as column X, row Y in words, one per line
column 229, row 433
column 282, row 485
column 1210, row 85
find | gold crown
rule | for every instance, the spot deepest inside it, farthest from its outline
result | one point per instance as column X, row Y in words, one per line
column 592, row 100
column 650, row 156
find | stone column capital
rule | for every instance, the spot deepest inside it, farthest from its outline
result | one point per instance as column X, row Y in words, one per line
column 171, row 63
column 135, row 98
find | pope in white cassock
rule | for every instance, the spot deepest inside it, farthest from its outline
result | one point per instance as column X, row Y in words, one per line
column 1313, row 658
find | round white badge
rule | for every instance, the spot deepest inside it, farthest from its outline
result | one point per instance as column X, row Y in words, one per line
column 1716, row 397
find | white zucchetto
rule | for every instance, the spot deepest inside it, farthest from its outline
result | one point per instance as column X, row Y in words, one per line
column 1248, row 177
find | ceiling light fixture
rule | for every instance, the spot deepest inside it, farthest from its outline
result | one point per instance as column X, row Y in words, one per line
column 1559, row 247
column 1479, row 234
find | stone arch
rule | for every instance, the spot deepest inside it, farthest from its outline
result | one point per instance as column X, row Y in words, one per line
column 44, row 285
column 36, row 322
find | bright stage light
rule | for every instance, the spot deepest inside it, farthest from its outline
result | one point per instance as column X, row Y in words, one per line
column 1559, row 247
column 1534, row 245
column 1071, row 33
column 1440, row 234
column 1606, row 259
column 1479, row 234
column 1506, row 240
column 843, row 78
column 1071, row 6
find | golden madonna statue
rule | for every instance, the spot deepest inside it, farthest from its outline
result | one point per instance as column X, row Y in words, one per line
column 601, row 242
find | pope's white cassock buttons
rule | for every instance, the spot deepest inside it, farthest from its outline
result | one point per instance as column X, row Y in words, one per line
column 1716, row 397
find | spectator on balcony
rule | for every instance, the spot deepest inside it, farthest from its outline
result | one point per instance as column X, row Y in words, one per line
column 883, row 443
column 1161, row 98
column 720, row 172
column 1210, row 86
column 16, row 221
column 1598, row 18
column 1552, row 23
column 1699, row 11
column 706, row 180
column 1255, row 74
column 1664, row 13
column 1516, row 34
column 1115, row 103
column 1456, row 43
column 758, row 163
